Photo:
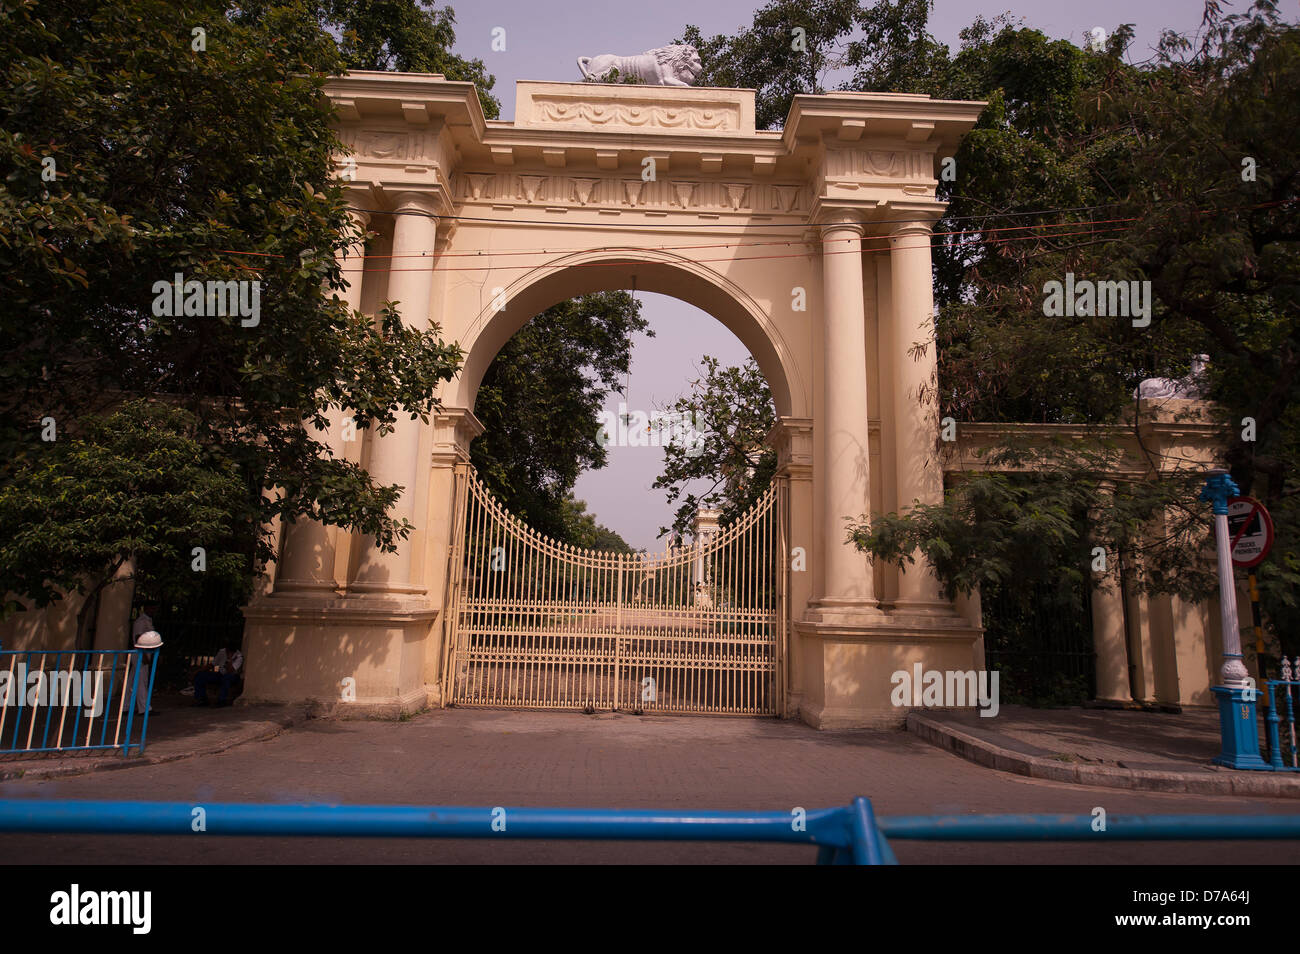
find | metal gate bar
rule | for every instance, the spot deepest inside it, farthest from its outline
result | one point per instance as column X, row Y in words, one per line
column 532, row 622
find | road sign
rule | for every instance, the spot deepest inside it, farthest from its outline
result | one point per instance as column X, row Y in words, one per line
column 1250, row 529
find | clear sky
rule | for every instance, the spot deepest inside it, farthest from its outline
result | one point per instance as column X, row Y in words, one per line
column 544, row 38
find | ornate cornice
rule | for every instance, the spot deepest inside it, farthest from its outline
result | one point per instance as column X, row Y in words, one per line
column 636, row 108
column 792, row 440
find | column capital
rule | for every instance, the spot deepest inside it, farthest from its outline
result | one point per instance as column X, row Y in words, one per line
column 359, row 195
column 415, row 202
column 454, row 429
column 909, row 218
column 792, row 440
column 923, row 227
column 840, row 221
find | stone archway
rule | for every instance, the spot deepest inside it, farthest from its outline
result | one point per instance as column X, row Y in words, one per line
column 647, row 270
column 811, row 244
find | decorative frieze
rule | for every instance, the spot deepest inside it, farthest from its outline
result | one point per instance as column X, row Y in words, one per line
column 879, row 164
column 394, row 145
column 636, row 114
column 609, row 192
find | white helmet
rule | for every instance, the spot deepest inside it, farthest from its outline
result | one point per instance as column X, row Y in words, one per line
column 150, row 640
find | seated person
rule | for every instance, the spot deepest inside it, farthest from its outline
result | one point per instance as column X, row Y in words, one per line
column 227, row 670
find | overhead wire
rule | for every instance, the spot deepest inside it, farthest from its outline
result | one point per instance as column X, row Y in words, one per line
column 632, row 250
column 977, row 237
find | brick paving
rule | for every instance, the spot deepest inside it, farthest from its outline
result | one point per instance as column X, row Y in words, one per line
column 608, row 760
column 1109, row 748
column 177, row 730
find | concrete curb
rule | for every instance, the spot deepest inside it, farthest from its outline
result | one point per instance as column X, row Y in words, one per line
column 1216, row 781
column 111, row 763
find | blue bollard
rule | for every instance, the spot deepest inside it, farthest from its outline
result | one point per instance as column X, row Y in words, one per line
column 1238, row 730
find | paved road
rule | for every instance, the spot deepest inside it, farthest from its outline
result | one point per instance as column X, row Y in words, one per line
column 489, row 757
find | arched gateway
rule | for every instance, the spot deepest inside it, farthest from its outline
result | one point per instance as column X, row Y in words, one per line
column 812, row 244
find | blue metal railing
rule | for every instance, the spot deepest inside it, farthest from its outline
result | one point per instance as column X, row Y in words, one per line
column 75, row 700
column 851, row 834
column 1272, row 715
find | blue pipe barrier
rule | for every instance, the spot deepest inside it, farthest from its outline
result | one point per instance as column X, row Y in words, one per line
column 1080, row 827
column 846, row 835
column 829, row 827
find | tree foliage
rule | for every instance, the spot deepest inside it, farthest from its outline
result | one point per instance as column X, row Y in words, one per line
column 213, row 160
column 1180, row 170
column 581, row 529
column 539, row 400
column 132, row 485
column 773, row 56
column 408, row 36
column 1056, row 515
column 1144, row 165
column 732, row 411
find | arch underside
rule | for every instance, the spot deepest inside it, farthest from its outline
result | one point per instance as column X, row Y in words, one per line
column 648, row 271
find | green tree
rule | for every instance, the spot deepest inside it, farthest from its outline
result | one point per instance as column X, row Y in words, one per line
column 581, row 529
column 731, row 412
column 539, row 402
column 894, row 51
column 791, row 48
column 1147, row 166
column 1010, row 530
column 132, row 149
column 1085, row 162
column 133, row 485
column 408, row 36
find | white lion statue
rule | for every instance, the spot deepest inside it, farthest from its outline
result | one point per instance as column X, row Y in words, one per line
column 675, row 65
column 1184, row 389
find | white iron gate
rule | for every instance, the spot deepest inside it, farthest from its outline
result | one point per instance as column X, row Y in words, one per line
column 534, row 623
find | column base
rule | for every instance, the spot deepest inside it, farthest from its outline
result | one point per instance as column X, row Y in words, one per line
column 368, row 591
column 847, row 665
column 924, row 609
column 348, row 657
column 318, row 589
column 406, row 704
column 846, row 612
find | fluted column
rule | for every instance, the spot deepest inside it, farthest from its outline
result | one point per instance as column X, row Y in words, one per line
column 847, row 582
column 394, row 457
column 307, row 563
column 914, row 365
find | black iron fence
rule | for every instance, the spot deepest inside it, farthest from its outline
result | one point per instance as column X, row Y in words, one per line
column 197, row 627
column 1040, row 638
